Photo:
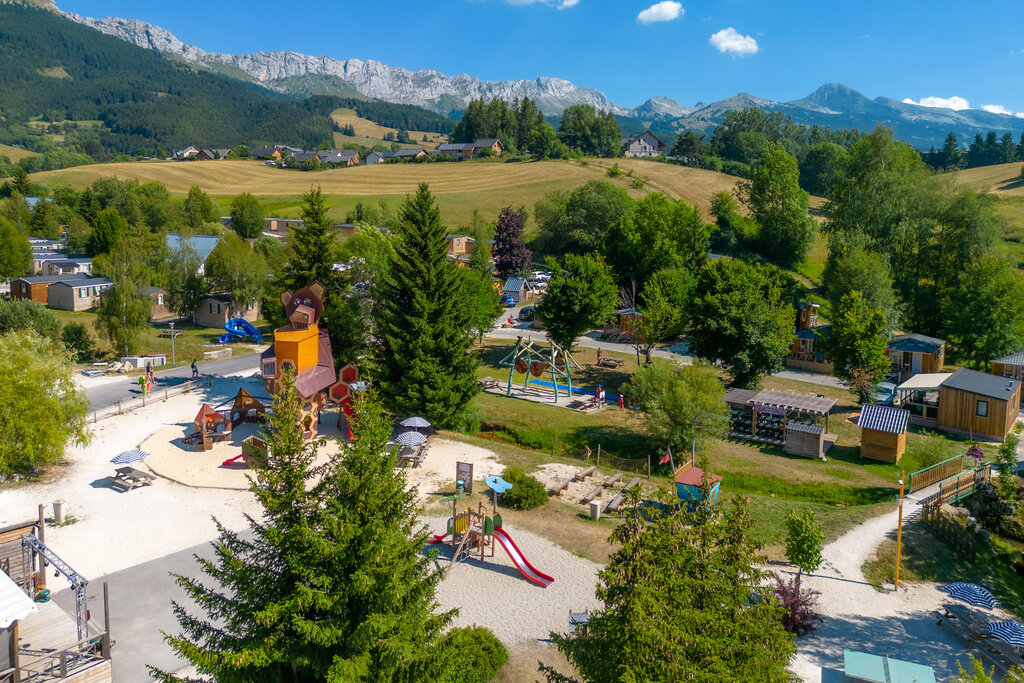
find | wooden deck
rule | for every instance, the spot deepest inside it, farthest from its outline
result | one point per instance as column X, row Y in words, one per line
column 50, row 629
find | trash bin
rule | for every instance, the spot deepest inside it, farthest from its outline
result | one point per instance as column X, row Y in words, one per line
column 595, row 510
column 58, row 511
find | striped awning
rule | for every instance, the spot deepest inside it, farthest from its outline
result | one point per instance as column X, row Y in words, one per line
column 883, row 419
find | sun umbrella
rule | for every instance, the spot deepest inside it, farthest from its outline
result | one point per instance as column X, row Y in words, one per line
column 972, row 594
column 410, row 439
column 128, row 457
column 1011, row 632
column 414, row 422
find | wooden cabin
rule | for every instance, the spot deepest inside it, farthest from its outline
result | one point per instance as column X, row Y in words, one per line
column 805, row 352
column 978, row 404
column 1011, row 366
column 688, row 481
column 912, row 354
column 883, row 433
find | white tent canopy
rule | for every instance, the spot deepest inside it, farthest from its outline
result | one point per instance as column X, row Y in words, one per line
column 14, row 604
column 929, row 381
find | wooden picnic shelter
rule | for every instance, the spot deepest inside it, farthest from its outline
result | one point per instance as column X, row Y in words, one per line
column 780, row 418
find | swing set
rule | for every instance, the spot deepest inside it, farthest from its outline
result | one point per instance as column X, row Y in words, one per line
column 535, row 361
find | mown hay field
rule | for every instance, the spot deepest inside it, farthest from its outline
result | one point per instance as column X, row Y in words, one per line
column 1001, row 179
column 15, row 154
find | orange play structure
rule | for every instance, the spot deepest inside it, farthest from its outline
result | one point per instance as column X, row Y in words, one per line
column 304, row 349
column 210, row 427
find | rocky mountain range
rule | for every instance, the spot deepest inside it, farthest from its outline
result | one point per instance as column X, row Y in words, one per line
column 832, row 105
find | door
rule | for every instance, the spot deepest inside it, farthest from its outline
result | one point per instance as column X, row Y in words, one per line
column 915, row 363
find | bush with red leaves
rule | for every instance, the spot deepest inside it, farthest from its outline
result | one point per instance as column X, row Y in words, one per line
column 801, row 617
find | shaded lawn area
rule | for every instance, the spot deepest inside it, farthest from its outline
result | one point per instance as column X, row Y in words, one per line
column 929, row 557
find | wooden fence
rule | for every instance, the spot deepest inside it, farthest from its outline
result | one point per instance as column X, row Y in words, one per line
column 937, row 472
column 964, row 540
column 131, row 404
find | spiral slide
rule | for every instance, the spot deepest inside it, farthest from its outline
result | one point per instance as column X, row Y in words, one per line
column 519, row 560
column 238, row 328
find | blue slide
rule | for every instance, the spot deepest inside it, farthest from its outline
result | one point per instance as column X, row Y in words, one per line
column 238, row 328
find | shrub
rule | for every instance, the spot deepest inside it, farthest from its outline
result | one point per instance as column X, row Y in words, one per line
column 800, row 617
column 77, row 339
column 614, row 171
column 464, row 655
column 526, row 492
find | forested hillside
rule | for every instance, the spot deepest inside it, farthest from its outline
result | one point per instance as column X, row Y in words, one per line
column 58, row 70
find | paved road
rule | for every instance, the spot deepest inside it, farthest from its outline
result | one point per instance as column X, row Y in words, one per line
column 108, row 394
column 140, row 608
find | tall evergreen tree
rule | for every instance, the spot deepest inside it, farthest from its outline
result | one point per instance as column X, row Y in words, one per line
column 951, row 157
column 312, row 245
column 511, row 257
column 330, row 584
column 421, row 364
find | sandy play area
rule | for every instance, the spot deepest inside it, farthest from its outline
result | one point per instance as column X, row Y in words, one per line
column 437, row 472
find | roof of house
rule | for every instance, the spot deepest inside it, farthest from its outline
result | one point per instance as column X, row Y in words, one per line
column 814, row 332
column 804, row 428
column 70, row 261
column 292, row 150
column 883, row 419
column 983, row 384
column 1012, row 359
column 636, row 136
column 150, row 291
column 203, row 244
column 514, row 284
column 85, row 282
column 816, row 405
column 486, row 142
column 692, row 476
column 925, row 381
column 50, row 279
column 265, row 150
column 454, row 146
column 410, row 152
column 919, row 343
column 306, row 156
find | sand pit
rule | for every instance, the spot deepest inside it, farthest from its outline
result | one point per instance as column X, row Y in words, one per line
column 555, row 474
column 182, row 464
column 437, row 472
column 494, row 594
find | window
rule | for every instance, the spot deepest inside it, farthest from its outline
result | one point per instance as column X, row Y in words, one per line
column 159, row 299
column 211, row 309
column 982, row 410
column 24, row 288
column 268, row 369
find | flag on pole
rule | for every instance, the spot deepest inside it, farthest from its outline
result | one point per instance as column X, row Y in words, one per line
column 667, row 458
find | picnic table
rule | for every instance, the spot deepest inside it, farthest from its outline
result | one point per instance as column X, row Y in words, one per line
column 488, row 383
column 126, row 478
column 973, row 628
column 413, row 459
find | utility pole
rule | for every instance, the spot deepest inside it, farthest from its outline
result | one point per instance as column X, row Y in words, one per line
column 899, row 536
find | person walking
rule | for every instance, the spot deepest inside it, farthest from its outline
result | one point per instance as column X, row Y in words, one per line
column 195, row 369
column 622, row 401
column 149, row 371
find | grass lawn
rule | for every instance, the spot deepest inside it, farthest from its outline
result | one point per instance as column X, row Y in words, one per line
column 15, row 154
column 190, row 344
column 929, row 557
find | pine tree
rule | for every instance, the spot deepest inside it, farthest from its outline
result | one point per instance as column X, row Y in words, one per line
column 511, row 257
column 330, row 583
column 422, row 365
column 681, row 603
column 951, row 157
column 312, row 245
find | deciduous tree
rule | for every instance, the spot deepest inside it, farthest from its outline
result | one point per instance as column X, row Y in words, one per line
column 247, row 216
column 511, row 257
column 198, row 209
column 15, row 252
column 234, row 266
column 857, row 345
column 24, row 314
column 421, row 365
column 123, row 308
column 42, row 410
column 684, row 405
column 108, row 230
column 804, row 541
column 682, row 600
column 985, row 312
column 581, row 295
column 185, row 287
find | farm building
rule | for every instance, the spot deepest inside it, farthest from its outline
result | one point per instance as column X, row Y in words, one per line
column 805, row 353
column 781, row 419
column 216, row 309
column 978, row 404
column 492, row 144
column 37, row 287
column 410, row 154
column 975, row 404
column 912, row 354
column 643, row 144
column 883, row 433
column 1011, row 366
column 378, row 157
column 76, row 295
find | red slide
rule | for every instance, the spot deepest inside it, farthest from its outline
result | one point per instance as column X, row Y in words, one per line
column 519, row 560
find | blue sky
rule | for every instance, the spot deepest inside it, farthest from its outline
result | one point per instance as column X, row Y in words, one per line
column 633, row 50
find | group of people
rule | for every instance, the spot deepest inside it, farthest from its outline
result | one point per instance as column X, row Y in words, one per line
column 149, row 379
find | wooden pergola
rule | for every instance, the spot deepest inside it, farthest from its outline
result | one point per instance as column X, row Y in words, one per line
column 774, row 412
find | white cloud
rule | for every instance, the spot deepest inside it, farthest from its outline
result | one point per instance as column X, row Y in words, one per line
column 954, row 102
column 560, row 4
column 730, row 40
column 667, row 10
column 996, row 109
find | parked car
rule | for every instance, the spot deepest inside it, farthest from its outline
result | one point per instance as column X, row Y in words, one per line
column 526, row 313
column 885, row 395
column 508, row 301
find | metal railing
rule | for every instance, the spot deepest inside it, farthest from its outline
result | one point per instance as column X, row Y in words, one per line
column 121, row 407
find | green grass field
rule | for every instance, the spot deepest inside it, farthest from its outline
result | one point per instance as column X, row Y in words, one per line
column 15, row 154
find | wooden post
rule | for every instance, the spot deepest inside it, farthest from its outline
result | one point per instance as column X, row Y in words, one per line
column 105, row 643
column 42, row 539
column 648, row 465
column 118, row 406
column 63, row 663
column 598, row 455
column 15, row 664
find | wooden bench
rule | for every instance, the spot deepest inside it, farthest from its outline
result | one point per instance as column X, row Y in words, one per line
column 612, row 480
column 580, row 476
column 635, row 481
column 592, row 494
column 614, row 504
column 1011, row 658
column 557, row 489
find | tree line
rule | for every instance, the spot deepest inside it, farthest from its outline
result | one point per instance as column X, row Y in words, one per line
column 982, row 151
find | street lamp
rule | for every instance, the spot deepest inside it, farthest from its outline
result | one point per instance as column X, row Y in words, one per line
column 173, row 361
column 899, row 536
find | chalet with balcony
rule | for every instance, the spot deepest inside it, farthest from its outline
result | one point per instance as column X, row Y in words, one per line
column 805, row 352
column 913, row 354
